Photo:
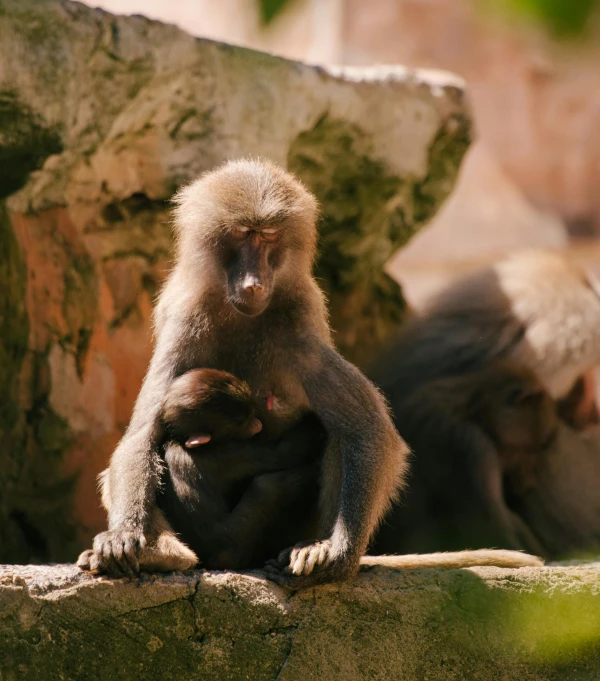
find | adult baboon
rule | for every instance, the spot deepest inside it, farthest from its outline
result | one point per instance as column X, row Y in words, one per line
column 477, row 440
column 242, row 298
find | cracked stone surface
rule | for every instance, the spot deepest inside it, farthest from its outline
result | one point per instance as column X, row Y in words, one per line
column 532, row 624
column 101, row 119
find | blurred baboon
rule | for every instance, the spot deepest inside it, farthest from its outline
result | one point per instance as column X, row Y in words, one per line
column 532, row 312
column 477, row 439
column 563, row 508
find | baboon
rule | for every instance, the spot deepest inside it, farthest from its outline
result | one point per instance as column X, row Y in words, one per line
column 242, row 298
column 534, row 311
column 205, row 405
column 477, row 439
column 534, row 308
column 208, row 417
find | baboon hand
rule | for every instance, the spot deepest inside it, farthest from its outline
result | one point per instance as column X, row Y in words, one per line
column 310, row 563
column 115, row 553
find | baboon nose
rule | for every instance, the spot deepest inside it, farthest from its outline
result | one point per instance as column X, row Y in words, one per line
column 253, row 286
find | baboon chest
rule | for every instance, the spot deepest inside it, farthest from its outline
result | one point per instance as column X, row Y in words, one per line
column 275, row 383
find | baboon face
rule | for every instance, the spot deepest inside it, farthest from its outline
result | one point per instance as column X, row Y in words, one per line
column 526, row 420
column 250, row 256
column 249, row 226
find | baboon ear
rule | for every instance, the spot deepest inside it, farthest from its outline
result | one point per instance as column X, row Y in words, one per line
column 197, row 440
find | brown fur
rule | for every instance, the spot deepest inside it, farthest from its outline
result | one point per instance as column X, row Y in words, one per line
column 160, row 551
column 211, row 402
column 534, row 308
column 243, row 299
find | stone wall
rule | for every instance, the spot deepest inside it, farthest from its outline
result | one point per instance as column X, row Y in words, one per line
column 103, row 118
column 532, row 624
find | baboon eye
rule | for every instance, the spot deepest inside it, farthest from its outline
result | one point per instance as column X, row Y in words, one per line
column 240, row 232
column 269, row 234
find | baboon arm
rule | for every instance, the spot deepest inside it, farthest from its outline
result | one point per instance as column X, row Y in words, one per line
column 135, row 466
column 363, row 466
column 235, row 460
column 493, row 521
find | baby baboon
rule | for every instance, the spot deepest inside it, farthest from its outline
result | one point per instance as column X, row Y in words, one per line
column 242, row 298
column 534, row 311
column 208, row 418
column 205, row 405
column 224, row 498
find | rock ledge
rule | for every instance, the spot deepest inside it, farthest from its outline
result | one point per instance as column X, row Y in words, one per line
column 480, row 623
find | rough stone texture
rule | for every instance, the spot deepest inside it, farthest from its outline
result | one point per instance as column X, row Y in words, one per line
column 533, row 624
column 535, row 104
column 101, row 119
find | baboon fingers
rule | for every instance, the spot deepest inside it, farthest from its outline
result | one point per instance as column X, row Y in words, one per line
column 115, row 553
column 304, row 558
column 95, row 564
column 83, row 562
column 125, row 553
column 283, row 559
column 334, row 571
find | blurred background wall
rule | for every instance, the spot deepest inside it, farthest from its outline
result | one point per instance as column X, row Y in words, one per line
column 530, row 180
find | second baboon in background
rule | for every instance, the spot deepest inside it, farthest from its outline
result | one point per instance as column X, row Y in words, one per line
column 536, row 313
column 477, row 439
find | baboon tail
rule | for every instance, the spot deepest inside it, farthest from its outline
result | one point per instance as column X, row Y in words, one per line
column 457, row 559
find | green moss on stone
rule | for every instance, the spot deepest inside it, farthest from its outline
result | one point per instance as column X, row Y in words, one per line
column 369, row 212
column 363, row 223
column 444, row 158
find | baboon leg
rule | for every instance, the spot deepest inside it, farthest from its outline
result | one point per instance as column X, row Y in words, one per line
column 236, row 535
